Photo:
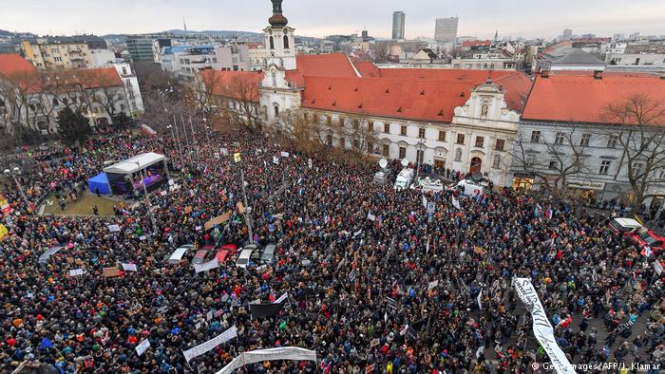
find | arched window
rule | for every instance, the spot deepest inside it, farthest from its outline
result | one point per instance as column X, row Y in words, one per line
column 55, row 101
column 276, row 110
column 286, row 42
column 272, row 43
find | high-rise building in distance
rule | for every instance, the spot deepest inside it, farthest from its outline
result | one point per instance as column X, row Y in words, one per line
column 567, row 34
column 399, row 18
column 446, row 30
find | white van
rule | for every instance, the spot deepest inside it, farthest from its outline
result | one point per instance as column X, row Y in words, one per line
column 244, row 258
column 404, row 179
column 179, row 253
column 624, row 225
column 471, row 188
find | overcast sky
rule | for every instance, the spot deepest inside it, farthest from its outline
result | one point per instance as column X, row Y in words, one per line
column 319, row 18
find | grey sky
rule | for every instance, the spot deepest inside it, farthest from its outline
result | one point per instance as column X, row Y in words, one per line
column 323, row 17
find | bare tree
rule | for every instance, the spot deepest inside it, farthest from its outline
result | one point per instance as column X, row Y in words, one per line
column 22, row 99
column 642, row 140
column 362, row 135
column 566, row 159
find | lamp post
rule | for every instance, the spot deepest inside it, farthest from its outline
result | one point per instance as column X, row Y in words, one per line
column 194, row 143
column 147, row 199
column 205, row 125
column 170, row 127
column 247, row 210
column 177, row 136
column 420, row 143
column 14, row 172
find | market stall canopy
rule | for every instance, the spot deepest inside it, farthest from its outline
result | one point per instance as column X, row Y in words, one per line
column 99, row 182
column 131, row 165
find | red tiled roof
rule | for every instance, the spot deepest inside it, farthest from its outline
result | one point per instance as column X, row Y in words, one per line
column 408, row 97
column 367, row 69
column 477, row 43
column 328, row 65
column 13, row 63
column 579, row 97
column 88, row 78
column 239, row 85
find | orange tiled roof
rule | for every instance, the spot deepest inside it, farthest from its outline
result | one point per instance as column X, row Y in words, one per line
column 477, row 43
column 88, row 78
column 328, row 65
column 402, row 95
column 234, row 84
column 579, row 97
column 13, row 63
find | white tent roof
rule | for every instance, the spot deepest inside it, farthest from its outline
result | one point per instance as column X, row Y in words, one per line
column 134, row 164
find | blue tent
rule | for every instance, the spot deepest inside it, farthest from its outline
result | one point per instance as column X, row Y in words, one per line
column 99, row 181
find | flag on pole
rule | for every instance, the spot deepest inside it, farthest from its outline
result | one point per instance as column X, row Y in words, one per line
column 424, row 202
column 456, row 203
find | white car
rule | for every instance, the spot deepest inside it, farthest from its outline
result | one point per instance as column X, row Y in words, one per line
column 428, row 185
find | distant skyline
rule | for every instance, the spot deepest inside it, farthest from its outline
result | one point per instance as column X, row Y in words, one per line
column 320, row 18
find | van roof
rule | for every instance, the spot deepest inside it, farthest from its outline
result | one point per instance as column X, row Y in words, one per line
column 627, row 222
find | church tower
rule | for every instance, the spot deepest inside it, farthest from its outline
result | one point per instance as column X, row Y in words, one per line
column 280, row 39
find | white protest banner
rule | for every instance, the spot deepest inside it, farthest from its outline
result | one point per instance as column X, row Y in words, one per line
column 480, row 298
column 431, row 208
column 424, row 202
column 282, row 298
column 658, row 267
column 142, row 347
column 76, row 272
column 224, row 151
column 374, row 343
column 456, row 203
column 371, row 217
column 209, row 315
column 542, row 328
column 284, row 154
column 432, row 285
column 275, row 160
column 213, row 264
column 270, row 354
column 200, row 349
column 309, row 163
column 357, row 233
column 113, row 228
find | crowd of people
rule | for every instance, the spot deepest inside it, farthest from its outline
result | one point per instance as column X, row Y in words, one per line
column 375, row 282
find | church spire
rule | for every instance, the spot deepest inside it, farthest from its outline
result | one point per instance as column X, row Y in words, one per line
column 277, row 20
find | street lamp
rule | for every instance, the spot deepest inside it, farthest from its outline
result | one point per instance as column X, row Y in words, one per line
column 205, row 125
column 147, row 200
column 14, row 172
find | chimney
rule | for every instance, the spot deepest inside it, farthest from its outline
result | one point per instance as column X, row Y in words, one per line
column 545, row 73
column 598, row 74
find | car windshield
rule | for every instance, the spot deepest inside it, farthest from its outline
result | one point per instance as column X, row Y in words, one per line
column 647, row 238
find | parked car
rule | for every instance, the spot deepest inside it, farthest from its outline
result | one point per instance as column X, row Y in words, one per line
column 268, row 253
column 200, row 256
column 226, row 252
column 404, row 179
column 249, row 254
column 383, row 176
column 428, row 185
column 645, row 238
column 624, row 225
column 179, row 253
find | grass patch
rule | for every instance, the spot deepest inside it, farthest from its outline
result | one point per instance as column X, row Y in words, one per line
column 82, row 206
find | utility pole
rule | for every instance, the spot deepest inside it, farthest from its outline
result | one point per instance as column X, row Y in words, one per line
column 248, row 219
column 147, row 201
column 191, row 126
column 178, row 145
column 184, row 131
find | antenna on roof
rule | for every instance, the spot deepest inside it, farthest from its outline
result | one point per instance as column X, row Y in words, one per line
column 184, row 25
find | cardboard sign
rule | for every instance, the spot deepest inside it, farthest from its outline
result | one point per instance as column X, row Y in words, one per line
column 241, row 208
column 217, row 221
column 75, row 272
column 70, row 260
column 374, row 343
column 432, row 285
column 369, row 369
column 658, row 267
column 188, row 209
column 284, row 154
column 111, row 272
column 479, row 250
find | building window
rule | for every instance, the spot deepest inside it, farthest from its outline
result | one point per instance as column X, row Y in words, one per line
column 458, row 155
column 341, row 121
column 342, row 142
column 559, row 138
column 496, row 163
column 530, row 160
column 421, row 133
column 286, row 42
column 356, row 144
column 370, row 126
column 386, row 150
column 585, row 140
column 661, row 174
column 329, row 140
column 305, row 116
column 638, row 169
column 402, row 130
column 420, row 156
column 442, row 136
column 386, row 128
column 402, row 152
column 276, row 109
column 612, row 142
column 370, row 147
column 604, row 167
column 535, row 137
column 460, row 138
column 328, row 120
column 272, row 43
column 356, row 125
column 554, row 163
column 480, row 141
column 500, row 144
